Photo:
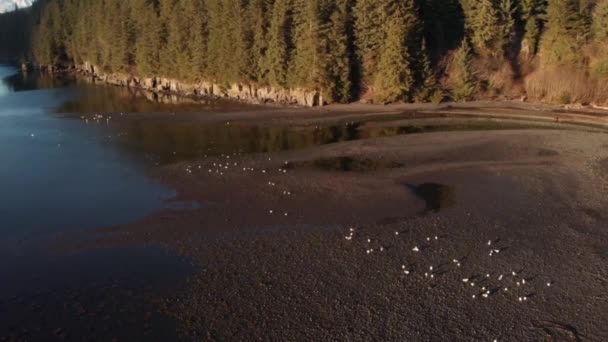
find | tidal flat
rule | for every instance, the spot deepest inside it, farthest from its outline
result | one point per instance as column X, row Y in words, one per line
column 351, row 228
column 483, row 221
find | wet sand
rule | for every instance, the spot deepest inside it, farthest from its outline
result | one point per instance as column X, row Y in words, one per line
column 277, row 261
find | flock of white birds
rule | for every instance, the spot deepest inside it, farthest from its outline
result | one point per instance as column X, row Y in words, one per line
column 485, row 286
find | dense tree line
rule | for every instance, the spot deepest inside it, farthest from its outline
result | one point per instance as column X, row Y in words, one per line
column 16, row 32
column 389, row 50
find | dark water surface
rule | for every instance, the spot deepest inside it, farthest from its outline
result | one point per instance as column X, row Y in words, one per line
column 60, row 176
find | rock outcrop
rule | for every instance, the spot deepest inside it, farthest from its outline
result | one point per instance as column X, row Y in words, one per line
column 244, row 92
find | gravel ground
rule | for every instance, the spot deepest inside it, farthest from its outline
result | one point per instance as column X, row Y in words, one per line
column 445, row 236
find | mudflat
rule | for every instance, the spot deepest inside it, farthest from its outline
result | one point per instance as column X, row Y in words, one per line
column 485, row 229
column 400, row 224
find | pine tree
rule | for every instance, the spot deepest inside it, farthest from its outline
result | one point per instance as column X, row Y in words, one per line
column 106, row 29
column 280, row 43
column 250, row 15
column 198, row 37
column 235, row 53
column 171, row 36
column 370, row 20
column 258, row 25
column 600, row 21
column 426, row 78
column 443, row 25
column 338, row 66
column 464, row 83
column 533, row 15
column 586, row 13
column 507, row 24
column 306, row 64
column 47, row 47
column 181, row 30
column 68, row 21
column 148, row 42
column 89, row 36
column 124, row 38
column 226, row 48
column 74, row 45
column 395, row 79
column 483, row 26
column 600, row 35
column 565, row 35
column 216, row 39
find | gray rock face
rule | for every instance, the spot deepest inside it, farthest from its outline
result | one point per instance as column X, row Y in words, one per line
column 244, row 92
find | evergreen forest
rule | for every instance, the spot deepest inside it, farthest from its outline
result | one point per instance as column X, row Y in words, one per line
column 377, row 50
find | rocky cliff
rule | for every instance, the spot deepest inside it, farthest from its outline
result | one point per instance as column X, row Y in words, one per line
column 244, row 92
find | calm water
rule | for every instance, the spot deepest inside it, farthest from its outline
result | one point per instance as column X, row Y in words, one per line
column 58, row 176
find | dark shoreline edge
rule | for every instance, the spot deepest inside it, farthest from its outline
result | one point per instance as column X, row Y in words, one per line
column 160, row 88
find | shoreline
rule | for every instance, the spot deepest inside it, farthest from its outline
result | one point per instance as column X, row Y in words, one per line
column 243, row 92
column 305, row 99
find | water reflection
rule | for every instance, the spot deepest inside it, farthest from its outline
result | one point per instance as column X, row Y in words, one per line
column 32, row 80
column 93, row 97
column 172, row 139
column 58, row 175
column 185, row 140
